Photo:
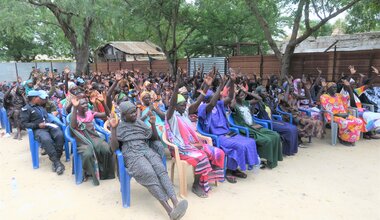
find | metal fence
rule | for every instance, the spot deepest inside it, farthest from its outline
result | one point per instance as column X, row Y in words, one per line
column 8, row 70
column 208, row 63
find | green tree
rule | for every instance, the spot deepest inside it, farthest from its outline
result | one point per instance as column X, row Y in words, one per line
column 299, row 11
column 167, row 22
column 226, row 22
column 363, row 17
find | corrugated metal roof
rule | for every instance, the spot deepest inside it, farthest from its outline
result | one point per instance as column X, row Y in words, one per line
column 137, row 47
column 346, row 42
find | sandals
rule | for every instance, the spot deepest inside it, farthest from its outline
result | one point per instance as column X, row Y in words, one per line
column 239, row 174
column 231, row 179
column 201, row 194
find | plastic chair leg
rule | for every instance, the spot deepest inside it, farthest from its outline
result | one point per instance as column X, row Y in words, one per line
column 182, row 181
column 334, row 133
column 172, row 170
column 8, row 128
column 78, row 170
column 67, row 150
column 35, row 156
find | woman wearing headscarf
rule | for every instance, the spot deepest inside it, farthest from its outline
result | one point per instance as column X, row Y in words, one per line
column 96, row 153
column 208, row 161
column 288, row 132
column 268, row 142
column 147, row 106
column 349, row 126
column 142, row 152
column 240, row 150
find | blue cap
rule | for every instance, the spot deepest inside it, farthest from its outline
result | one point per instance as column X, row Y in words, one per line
column 40, row 93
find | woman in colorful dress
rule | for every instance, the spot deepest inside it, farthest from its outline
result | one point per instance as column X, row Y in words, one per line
column 96, row 153
column 349, row 126
column 208, row 161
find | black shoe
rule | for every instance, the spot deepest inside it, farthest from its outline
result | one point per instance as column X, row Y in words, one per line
column 53, row 167
column 60, row 168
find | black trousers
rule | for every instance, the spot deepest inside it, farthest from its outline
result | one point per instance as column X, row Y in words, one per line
column 51, row 140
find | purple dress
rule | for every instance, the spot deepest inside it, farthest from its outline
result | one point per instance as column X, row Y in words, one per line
column 240, row 150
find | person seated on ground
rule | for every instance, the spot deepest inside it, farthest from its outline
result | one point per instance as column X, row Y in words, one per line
column 241, row 151
column 96, row 153
column 287, row 131
column 268, row 142
column 14, row 101
column 35, row 117
column 349, row 126
column 208, row 161
column 142, row 152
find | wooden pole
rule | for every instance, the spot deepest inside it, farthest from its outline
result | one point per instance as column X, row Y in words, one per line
column 16, row 72
column 334, row 64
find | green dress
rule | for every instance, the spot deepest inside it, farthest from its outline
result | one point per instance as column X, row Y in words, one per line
column 268, row 142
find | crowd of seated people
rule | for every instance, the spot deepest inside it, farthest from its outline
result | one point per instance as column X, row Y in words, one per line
column 240, row 115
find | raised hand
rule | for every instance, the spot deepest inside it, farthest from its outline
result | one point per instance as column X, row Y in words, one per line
column 209, row 78
column 233, row 76
column 113, row 121
column 319, row 71
column 352, row 69
column 152, row 118
column 66, row 70
column 75, row 101
column 375, row 70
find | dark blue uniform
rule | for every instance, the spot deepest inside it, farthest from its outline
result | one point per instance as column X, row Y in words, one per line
column 51, row 139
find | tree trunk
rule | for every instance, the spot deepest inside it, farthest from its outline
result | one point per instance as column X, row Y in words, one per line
column 286, row 59
column 81, row 58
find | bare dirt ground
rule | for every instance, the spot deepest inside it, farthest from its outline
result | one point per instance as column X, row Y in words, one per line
column 320, row 182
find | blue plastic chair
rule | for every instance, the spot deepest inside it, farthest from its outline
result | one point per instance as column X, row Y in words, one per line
column 232, row 123
column 77, row 159
column 99, row 122
column 216, row 140
column 34, row 144
column 125, row 179
column 5, row 121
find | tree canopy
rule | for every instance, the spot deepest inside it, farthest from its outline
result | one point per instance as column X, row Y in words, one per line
column 181, row 28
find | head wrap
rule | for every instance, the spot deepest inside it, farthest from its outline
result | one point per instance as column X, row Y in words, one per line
column 182, row 90
column 29, row 81
column 147, row 83
column 71, row 85
column 126, row 106
column 330, row 84
column 180, row 98
column 209, row 93
column 143, row 94
column 260, row 89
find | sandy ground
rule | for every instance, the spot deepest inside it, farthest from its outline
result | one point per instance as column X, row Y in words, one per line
column 320, row 182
